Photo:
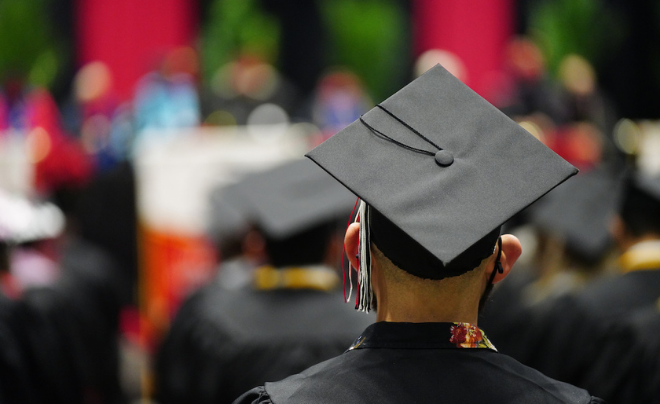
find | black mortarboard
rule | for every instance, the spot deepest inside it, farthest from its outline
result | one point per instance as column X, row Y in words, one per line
column 293, row 197
column 580, row 212
column 444, row 168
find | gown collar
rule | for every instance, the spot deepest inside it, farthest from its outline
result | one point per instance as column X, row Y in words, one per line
column 422, row 336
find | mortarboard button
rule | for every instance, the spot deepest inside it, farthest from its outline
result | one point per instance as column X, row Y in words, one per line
column 444, row 158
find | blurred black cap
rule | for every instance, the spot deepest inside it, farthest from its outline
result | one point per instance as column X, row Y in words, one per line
column 580, row 212
column 292, row 198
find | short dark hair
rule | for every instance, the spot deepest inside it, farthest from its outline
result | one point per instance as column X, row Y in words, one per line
column 640, row 211
column 304, row 248
column 406, row 253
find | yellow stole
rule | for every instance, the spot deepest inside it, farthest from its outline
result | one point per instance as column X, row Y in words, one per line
column 311, row 277
column 643, row 256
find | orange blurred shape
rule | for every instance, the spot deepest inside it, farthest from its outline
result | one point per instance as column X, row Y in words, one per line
column 93, row 81
column 340, row 79
column 172, row 267
column 525, row 59
column 39, row 144
column 580, row 144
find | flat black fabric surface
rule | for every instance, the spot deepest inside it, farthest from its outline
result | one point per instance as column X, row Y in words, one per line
column 404, row 372
column 224, row 342
column 645, row 325
column 14, row 372
column 627, row 367
column 573, row 328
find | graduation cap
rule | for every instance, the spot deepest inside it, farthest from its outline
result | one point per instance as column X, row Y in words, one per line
column 440, row 170
column 580, row 212
column 295, row 206
column 293, row 197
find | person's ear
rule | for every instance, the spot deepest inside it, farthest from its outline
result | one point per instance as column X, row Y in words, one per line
column 352, row 243
column 511, row 250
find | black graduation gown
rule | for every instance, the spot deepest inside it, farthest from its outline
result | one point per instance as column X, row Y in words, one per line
column 507, row 315
column 177, row 366
column 576, row 327
column 627, row 368
column 229, row 341
column 178, row 362
column 70, row 332
column 15, row 382
column 645, row 325
column 418, row 363
column 91, row 287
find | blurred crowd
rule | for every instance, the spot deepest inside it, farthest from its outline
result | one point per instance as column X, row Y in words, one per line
column 583, row 305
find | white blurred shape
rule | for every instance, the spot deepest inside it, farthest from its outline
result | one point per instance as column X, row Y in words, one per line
column 448, row 60
column 22, row 220
column 268, row 122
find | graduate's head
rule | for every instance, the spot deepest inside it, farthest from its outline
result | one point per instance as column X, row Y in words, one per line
column 473, row 282
column 307, row 247
column 438, row 170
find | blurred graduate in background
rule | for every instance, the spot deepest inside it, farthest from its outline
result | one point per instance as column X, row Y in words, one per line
column 590, row 309
column 60, row 309
column 257, row 324
column 568, row 233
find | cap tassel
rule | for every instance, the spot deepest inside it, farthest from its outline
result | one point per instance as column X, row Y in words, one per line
column 365, row 291
column 497, row 269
